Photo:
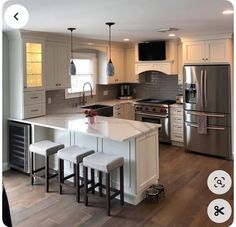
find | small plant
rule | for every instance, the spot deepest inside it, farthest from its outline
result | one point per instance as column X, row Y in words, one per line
column 90, row 113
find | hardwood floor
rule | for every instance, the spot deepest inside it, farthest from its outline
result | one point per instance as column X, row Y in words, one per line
column 183, row 174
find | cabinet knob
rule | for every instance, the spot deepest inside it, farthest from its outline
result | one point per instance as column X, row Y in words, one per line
column 207, row 59
column 203, row 59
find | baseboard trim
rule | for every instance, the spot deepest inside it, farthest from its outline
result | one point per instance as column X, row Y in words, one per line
column 5, row 166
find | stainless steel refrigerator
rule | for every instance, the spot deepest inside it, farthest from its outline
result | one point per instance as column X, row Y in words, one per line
column 207, row 109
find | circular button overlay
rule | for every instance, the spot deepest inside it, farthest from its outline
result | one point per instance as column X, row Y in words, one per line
column 16, row 16
column 219, row 182
column 219, row 210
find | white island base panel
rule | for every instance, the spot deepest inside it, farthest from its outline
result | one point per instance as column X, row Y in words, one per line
column 139, row 147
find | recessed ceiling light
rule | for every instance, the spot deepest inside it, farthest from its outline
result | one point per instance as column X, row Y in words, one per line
column 171, row 35
column 167, row 29
column 90, row 44
column 228, row 11
column 126, row 39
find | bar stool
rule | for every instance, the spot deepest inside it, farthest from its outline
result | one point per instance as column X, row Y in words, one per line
column 75, row 155
column 104, row 163
column 44, row 148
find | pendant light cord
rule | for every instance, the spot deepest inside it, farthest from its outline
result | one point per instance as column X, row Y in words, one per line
column 71, row 54
column 110, row 41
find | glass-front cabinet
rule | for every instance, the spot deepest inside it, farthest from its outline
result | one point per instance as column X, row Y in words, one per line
column 33, row 73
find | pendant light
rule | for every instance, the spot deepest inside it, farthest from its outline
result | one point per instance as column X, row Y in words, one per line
column 110, row 66
column 72, row 68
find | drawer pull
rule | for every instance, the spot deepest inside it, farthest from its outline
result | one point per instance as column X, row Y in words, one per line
column 34, row 110
column 34, row 97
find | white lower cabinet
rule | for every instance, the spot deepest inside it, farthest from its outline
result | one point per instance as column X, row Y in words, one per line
column 177, row 123
column 34, row 104
column 124, row 111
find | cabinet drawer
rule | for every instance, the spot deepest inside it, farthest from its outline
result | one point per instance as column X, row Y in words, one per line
column 177, row 119
column 118, row 115
column 34, row 97
column 176, row 111
column 177, row 137
column 34, row 110
column 177, row 128
column 118, row 107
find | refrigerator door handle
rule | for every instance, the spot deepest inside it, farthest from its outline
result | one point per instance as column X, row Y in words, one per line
column 210, row 128
column 205, row 114
column 205, row 88
column 202, row 75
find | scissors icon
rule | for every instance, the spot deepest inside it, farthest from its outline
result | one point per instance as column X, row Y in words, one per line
column 218, row 210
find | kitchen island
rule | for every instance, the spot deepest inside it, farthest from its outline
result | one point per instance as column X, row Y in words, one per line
column 136, row 141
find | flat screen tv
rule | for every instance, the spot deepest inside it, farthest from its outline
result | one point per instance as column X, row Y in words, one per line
column 152, row 51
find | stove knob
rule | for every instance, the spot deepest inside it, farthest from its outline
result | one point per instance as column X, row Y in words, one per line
column 140, row 108
column 146, row 108
column 154, row 110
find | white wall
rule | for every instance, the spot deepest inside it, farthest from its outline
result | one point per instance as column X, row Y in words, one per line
column 5, row 99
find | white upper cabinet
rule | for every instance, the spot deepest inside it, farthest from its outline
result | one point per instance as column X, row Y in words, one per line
column 33, row 58
column 117, row 57
column 207, row 51
column 130, row 75
column 57, row 65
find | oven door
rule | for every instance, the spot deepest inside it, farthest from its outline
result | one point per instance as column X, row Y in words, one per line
column 163, row 120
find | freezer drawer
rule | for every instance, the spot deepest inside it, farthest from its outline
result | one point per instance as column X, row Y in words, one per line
column 217, row 142
column 212, row 118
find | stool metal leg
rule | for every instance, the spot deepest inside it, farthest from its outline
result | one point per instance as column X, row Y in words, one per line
column 46, row 173
column 74, row 178
column 92, row 179
column 108, row 193
column 77, row 185
column 122, row 185
column 100, row 182
column 32, row 168
column 60, row 173
column 85, row 186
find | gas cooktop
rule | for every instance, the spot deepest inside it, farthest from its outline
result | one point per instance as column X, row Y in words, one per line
column 156, row 101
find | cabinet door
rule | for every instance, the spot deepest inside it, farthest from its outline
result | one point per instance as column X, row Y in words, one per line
column 61, row 67
column 130, row 66
column 194, row 52
column 49, row 66
column 33, row 64
column 217, row 51
column 57, row 65
column 117, row 55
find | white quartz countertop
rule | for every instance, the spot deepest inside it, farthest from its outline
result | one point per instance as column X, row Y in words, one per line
column 104, row 127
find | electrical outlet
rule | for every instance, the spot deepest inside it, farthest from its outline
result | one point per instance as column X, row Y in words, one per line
column 49, row 100
column 105, row 92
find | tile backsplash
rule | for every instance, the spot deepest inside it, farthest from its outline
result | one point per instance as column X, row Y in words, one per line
column 59, row 102
column 157, row 85
column 152, row 85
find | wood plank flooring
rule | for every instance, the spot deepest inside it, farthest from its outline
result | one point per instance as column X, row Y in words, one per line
column 183, row 174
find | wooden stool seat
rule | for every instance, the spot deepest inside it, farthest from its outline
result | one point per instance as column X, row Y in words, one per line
column 104, row 163
column 74, row 154
column 44, row 148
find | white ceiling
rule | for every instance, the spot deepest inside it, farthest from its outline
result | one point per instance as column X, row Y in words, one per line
column 138, row 20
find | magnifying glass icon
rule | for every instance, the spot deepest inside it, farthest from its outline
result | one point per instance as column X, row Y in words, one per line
column 219, row 182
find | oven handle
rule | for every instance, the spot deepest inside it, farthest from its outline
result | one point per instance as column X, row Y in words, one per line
column 152, row 115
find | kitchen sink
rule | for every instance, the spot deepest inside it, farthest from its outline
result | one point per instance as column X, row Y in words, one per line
column 102, row 110
column 95, row 106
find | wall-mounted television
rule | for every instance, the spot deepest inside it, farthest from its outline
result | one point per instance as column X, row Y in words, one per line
column 152, row 51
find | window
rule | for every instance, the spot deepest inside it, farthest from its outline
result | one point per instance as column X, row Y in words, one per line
column 85, row 72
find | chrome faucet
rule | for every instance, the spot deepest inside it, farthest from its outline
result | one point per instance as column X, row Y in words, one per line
column 91, row 90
